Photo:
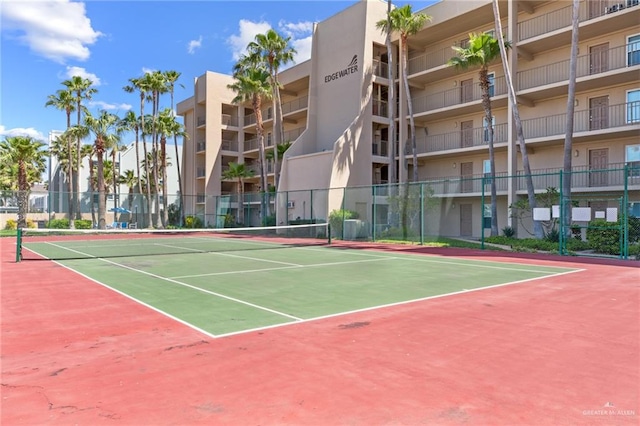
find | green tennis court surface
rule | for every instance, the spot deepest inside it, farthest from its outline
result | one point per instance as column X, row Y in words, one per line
column 245, row 285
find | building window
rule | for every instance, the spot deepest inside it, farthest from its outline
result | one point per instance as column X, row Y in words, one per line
column 632, row 159
column 485, row 128
column 633, row 50
column 633, row 106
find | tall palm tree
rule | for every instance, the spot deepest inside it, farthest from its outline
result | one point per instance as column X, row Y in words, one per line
column 64, row 152
column 568, row 138
column 171, row 77
column 253, row 85
column 141, row 85
column 167, row 126
column 482, row 50
column 115, row 149
column 402, row 20
column 65, row 101
column 87, row 152
column 531, row 196
column 107, row 134
column 131, row 123
column 239, row 172
column 274, row 51
column 28, row 155
column 385, row 27
column 129, row 179
column 81, row 89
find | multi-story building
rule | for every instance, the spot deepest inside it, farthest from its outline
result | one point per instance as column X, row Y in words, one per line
column 335, row 110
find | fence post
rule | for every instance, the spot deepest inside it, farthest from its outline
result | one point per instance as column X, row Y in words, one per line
column 19, row 245
column 625, row 214
column 373, row 219
column 563, row 206
column 482, row 214
column 344, row 203
column 422, row 213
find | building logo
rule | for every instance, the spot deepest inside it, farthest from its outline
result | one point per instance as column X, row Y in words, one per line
column 349, row 69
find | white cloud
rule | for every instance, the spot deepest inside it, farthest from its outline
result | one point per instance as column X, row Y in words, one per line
column 146, row 70
column 303, row 49
column 248, row 32
column 56, row 29
column 109, row 107
column 81, row 72
column 194, row 44
column 21, row 131
column 297, row 29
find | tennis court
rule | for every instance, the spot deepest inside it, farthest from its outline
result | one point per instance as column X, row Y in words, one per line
column 135, row 328
column 237, row 281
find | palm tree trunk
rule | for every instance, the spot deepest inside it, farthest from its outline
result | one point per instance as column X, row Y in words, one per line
column 486, row 105
column 392, row 103
column 91, row 191
column 115, row 184
column 156, row 173
column 163, row 158
column 76, row 180
column 240, row 201
column 102, row 202
column 531, row 196
column 70, row 174
column 23, row 195
column 412, row 124
column 568, row 139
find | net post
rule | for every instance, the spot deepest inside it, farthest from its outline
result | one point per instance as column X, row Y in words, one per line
column 18, row 245
column 328, row 233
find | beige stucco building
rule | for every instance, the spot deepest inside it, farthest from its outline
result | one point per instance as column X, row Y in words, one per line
column 335, row 110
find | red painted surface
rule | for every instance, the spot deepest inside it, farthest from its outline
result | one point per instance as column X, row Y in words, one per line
column 563, row 350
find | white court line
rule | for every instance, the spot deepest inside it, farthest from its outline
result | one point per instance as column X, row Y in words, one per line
column 231, row 255
column 185, row 285
column 282, row 268
column 405, row 302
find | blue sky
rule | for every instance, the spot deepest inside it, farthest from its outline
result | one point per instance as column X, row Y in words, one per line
column 46, row 42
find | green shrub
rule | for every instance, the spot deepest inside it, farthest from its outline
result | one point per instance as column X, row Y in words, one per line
column 270, row 220
column 336, row 218
column 501, row 239
column 553, row 236
column 58, row 224
column 83, row 224
column 508, row 232
column 11, row 224
column 604, row 237
column 193, row 222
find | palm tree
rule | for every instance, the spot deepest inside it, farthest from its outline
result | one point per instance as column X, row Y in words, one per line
column 140, row 84
column 167, row 126
column 129, row 179
column 65, row 152
column 81, row 89
column 385, row 27
column 107, row 134
column 115, row 149
column 531, row 196
column 274, row 52
column 253, row 85
column 568, row 138
column 482, row 50
column 65, row 101
column 272, row 155
column 171, row 77
column 29, row 158
column 87, row 152
column 240, row 173
column 131, row 123
column 402, row 20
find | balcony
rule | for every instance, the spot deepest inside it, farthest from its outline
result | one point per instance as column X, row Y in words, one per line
column 201, row 121
column 617, row 58
column 201, row 146
column 200, row 199
column 380, row 108
column 200, row 173
column 292, row 135
column 294, row 105
column 464, row 138
column 457, row 97
column 379, row 148
column 380, row 69
column 229, row 145
column 229, row 120
column 554, row 28
column 624, row 117
column 253, row 144
column 582, row 178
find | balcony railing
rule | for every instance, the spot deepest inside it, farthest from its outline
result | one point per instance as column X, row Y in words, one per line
column 200, row 172
column 229, row 145
column 621, row 115
column 201, row 146
column 201, row 121
column 292, row 135
column 582, row 177
column 458, row 96
column 590, row 64
column 256, row 168
column 294, row 105
column 380, row 148
column 200, row 198
column 464, row 138
column 380, row 69
column 252, row 144
column 561, row 18
column 229, row 120
column 380, row 108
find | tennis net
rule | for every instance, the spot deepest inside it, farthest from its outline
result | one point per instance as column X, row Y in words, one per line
column 60, row 244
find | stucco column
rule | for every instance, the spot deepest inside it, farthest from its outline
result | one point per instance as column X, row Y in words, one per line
column 403, row 171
